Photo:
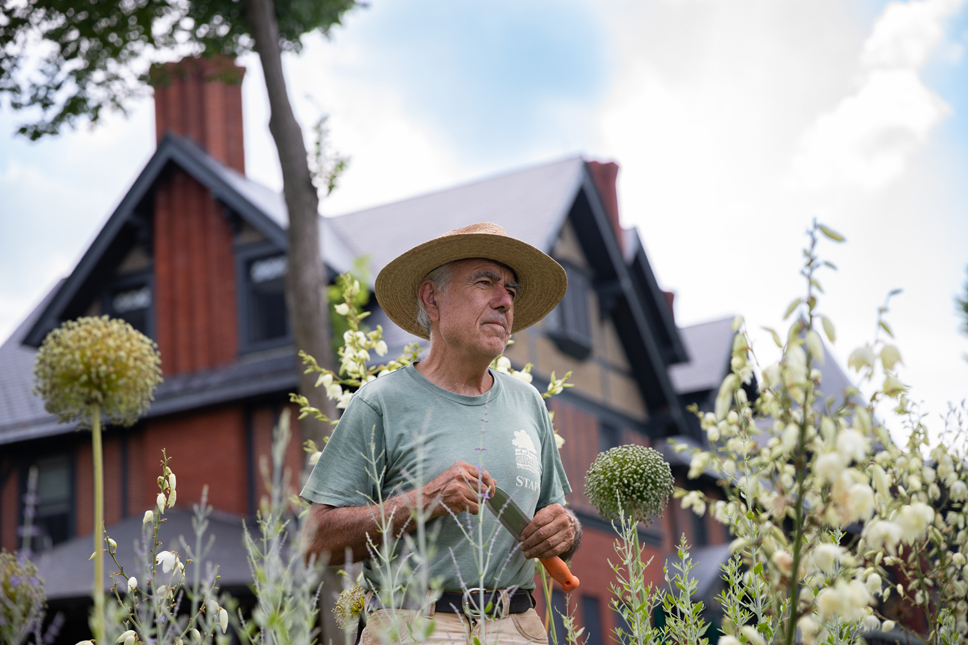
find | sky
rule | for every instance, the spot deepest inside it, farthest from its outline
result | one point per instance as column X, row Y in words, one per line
column 735, row 124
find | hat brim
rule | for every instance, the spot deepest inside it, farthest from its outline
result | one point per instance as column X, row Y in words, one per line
column 542, row 280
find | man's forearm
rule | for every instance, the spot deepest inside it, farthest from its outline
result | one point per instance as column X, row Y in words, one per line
column 332, row 530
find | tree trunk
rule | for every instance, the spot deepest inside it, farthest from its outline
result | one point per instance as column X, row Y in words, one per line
column 306, row 278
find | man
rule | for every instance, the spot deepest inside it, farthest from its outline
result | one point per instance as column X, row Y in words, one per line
column 466, row 292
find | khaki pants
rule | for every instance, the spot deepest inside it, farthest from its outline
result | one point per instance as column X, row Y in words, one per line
column 407, row 626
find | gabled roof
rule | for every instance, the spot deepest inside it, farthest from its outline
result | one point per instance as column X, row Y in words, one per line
column 262, row 208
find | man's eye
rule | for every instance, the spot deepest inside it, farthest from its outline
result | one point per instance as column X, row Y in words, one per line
column 512, row 293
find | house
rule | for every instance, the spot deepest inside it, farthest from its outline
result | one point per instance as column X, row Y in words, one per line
column 194, row 256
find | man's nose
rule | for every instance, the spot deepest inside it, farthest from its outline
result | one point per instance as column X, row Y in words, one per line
column 502, row 300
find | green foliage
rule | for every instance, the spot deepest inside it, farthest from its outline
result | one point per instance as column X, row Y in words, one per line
column 22, row 600
column 99, row 55
column 100, row 362
column 629, row 481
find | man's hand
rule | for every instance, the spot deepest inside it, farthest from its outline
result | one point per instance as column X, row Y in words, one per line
column 554, row 531
column 456, row 489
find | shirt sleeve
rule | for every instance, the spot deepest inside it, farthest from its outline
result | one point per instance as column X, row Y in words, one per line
column 344, row 474
column 554, row 485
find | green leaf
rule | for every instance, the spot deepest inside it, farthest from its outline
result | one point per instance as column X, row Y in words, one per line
column 758, row 569
column 793, row 307
column 828, row 328
column 887, row 328
column 830, row 264
column 831, row 234
column 894, row 292
column 776, row 337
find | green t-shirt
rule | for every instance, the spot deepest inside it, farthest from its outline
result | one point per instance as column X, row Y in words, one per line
column 506, row 430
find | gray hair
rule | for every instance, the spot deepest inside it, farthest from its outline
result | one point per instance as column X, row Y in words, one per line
column 440, row 277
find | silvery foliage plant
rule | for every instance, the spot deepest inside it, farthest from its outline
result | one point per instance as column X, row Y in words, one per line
column 158, row 603
column 830, row 516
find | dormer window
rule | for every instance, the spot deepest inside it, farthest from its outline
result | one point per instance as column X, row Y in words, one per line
column 268, row 304
column 263, row 321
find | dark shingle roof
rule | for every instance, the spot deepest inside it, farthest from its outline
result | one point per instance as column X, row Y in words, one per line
column 19, row 408
column 709, row 346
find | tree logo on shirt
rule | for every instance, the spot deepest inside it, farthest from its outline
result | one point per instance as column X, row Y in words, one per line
column 525, row 452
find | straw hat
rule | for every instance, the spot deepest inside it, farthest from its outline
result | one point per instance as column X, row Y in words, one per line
column 543, row 281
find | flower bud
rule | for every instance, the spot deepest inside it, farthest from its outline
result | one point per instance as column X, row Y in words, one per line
column 132, row 584
column 223, row 619
column 342, row 309
column 112, row 543
column 160, row 502
column 149, row 517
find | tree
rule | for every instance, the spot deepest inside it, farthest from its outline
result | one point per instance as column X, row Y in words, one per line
column 99, row 56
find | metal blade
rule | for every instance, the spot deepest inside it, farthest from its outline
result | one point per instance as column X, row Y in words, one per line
column 508, row 513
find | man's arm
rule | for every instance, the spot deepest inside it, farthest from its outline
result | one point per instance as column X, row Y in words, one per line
column 554, row 531
column 332, row 530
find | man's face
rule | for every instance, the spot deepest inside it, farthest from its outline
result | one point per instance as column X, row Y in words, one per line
column 476, row 307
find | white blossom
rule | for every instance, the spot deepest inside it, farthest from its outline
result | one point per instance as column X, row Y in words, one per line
column 342, row 309
column 149, row 517
column 132, row 584
column 160, row 502
column 344, row 400
column 861, row 502
column 958, row 491
column 853, row 445
column 167, row 560
column 829, row 465
column 223, row 619
column 127, row 637
column 913, row 520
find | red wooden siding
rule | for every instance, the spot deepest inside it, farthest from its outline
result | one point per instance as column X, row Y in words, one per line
column 197, row 326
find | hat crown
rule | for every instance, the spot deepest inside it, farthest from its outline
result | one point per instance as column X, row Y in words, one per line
column 486, row 228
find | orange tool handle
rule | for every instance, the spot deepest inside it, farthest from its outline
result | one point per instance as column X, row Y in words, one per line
column 558, row 570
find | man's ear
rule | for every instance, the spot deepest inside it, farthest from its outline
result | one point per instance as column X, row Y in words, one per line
column 427, row 294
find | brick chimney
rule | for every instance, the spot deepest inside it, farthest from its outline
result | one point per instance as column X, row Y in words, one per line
column 201, row 98
column 604, row 175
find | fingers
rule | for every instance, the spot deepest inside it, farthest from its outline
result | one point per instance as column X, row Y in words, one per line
column 550, row 533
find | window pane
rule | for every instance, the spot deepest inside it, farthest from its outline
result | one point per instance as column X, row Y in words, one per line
column 267, row 269
column 268, row 316
column 132, row 305
column 592, row 617
column 131, row 300
column 54, row 500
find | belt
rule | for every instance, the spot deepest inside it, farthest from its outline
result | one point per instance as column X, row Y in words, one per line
column 497, row 603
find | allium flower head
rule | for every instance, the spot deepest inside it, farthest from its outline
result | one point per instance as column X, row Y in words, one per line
column 97, row 361
column 633, row 481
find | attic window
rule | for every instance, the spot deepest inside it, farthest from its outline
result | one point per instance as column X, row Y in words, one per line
column 266, row 320
column 130, row 299
column 569, row 324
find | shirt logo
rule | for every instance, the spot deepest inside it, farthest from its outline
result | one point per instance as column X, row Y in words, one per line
column 525, row 452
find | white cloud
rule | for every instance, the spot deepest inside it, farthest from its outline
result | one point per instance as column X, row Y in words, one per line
column 867, row 140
